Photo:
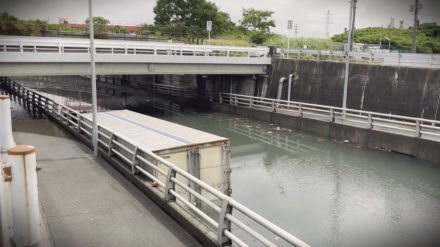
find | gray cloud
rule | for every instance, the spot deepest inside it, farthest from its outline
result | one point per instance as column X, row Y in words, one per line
column 309, row 15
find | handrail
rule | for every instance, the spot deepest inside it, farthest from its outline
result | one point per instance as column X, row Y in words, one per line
column 402, row 125
column 385, row 58
column 60, row 45
column 135, row 157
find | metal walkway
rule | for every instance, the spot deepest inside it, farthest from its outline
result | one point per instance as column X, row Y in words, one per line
column 86, row 202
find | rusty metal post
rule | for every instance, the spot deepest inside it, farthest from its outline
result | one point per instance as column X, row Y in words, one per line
column 25, row 207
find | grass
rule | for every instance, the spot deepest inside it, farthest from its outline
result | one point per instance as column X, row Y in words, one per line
column 281, row 41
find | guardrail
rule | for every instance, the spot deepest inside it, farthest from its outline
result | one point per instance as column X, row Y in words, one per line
column 384, row 58
column 167, row 177
column 47, row 45
column 401, row 125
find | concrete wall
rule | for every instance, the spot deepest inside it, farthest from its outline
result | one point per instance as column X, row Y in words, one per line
column 398, row 90
column 416, row 147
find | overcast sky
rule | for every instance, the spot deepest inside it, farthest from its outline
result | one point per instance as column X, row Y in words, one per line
column 309, row 15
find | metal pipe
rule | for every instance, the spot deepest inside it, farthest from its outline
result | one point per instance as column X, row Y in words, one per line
column 93, row 78
column 280, row 87
column 25, row 205
column 6, row 139
column 289, row 88
column 6, row 142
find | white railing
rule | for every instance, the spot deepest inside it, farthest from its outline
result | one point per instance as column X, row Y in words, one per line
column 401, row 125
column 168, row 177
column 50, row 45
column 383, row 58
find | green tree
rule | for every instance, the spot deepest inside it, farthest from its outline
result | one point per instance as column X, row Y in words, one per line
column 100, row 26
column 428, row 37
column 257, row 20
column 9, row 24
column 119, row 30
column 257, row 24
column 189, row 17
column 145, row 29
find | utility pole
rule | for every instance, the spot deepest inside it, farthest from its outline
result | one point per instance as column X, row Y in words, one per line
column 416, row 9
column 93, row 72
column 348, row 49
column 353, row 10
column 289, row 29
column 296, row 30
column 327, row 24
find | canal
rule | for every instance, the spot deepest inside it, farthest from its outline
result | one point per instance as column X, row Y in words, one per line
column 325, row 192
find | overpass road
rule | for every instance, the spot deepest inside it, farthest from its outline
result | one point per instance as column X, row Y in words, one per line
column 25, row 56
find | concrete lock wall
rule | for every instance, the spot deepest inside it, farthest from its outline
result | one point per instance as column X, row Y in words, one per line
column 405, row 91
column 412, row 146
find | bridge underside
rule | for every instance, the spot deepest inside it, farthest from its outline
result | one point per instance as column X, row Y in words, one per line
column 41, row 69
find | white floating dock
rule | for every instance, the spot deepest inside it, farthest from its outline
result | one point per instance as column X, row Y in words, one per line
column 204, row 155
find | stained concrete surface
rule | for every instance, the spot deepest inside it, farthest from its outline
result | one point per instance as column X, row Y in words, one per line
column 405, row 91
column 85, row 202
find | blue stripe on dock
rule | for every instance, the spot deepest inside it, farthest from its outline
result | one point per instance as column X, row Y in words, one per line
column 176, row 138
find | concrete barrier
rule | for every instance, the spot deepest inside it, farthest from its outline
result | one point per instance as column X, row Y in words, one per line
column 25, row 207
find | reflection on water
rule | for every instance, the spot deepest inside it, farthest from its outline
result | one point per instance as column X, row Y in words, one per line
column 326, row 193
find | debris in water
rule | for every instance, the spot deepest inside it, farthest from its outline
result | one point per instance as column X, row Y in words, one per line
column 346, row 141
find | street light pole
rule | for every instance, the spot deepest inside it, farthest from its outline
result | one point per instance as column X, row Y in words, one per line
column 348, row 48
column 93, row 77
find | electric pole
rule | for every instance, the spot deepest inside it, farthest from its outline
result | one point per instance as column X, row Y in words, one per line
column 353, row 13
column 296, row 30
column 327, row 24
column 416, row 7
column 348, row 49
column 93, row 78
column 289, row 29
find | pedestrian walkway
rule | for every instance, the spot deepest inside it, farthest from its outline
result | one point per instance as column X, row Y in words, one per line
column 85, row 202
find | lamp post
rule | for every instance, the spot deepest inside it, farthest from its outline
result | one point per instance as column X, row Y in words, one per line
column 348, row 49
column 93, row 78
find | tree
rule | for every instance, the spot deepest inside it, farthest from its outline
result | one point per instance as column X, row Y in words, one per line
column 99, row 26
column 119, row 30
column 257, row 20
column 189, row 17
column 9, row 24
column 257, row 24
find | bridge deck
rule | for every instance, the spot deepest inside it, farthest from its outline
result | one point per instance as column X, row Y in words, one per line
column 86, row 202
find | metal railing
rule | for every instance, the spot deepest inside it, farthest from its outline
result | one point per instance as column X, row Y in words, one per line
column 401, row 125
column 382, row 58
column 173, row 183
column 47, row 45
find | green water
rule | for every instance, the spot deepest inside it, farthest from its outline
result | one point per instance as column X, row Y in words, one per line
column 324, row 192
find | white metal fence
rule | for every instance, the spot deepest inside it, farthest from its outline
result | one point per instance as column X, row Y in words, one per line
column 383, row 58
column 157, row 169
column 401, row 125
column 52, row 45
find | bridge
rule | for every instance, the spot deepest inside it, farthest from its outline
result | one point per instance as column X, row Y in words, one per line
column 22, row 56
